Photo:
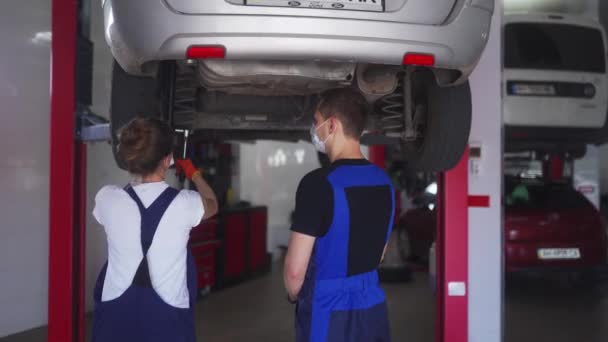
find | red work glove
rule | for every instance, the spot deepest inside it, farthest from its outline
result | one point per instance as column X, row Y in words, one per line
column 186, row 166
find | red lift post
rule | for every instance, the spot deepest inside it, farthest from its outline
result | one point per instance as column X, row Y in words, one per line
column 452, row 253
column 67, row 191
column 452, row 246
column 553, row 168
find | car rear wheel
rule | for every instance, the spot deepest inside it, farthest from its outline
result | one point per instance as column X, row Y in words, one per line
column 443, row 118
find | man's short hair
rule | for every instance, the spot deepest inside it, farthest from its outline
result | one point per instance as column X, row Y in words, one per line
column 349, row 106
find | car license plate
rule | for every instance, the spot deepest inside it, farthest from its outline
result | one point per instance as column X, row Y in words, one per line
column 534, row 89
column 559, row 253
column 360, row 5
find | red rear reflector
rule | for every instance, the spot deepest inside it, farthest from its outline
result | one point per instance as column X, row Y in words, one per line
column 520, row 135
column 418, row 59
column 203, row 52
column 477, row 201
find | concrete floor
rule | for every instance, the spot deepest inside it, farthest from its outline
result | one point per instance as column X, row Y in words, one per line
column 536, row 310
column 258, row 311
column 551, row 309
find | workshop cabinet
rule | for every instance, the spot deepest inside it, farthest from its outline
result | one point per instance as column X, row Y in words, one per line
column 258, row 255
column 234, row 244
column 243, row 232
column 231, row 247
column 203, row 246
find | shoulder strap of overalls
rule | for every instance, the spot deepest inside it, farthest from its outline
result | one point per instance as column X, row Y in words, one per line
column 150, row 218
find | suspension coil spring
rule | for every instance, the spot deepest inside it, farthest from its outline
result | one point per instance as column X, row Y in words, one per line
column 393, row 107
column 185, row 94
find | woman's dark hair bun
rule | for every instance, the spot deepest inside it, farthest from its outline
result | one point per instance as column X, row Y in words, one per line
column 143, row 144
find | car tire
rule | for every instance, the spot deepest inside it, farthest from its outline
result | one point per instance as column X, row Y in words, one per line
column 447, row 124
column 132, row 96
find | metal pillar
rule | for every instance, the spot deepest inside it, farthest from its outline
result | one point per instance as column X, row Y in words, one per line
column 553, row 168
column 64, row 252
column 452, row 254
column 67, row 193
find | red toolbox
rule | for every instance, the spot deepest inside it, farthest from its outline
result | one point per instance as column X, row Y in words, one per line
column 205, row 231
column 234, row 245
column 204, row 254
column 243, row 232
column 204, row 246
column 258, row 254
column 230, row 247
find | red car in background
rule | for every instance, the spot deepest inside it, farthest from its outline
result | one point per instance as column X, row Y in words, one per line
column 548, row 227
column 551, row 226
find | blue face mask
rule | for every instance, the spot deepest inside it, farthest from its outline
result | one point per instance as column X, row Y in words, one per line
column 314, row 137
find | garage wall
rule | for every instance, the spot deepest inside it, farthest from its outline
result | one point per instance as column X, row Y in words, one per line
column 24, row 99
column 269, row 174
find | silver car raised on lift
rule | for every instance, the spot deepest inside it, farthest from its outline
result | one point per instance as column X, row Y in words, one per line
column 251, row 69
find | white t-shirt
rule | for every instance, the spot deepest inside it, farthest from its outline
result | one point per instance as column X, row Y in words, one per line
column 118, row 213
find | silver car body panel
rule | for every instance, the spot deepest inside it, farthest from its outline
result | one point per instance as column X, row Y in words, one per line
column 431, row 12
column 485, row 4
column 140, row 34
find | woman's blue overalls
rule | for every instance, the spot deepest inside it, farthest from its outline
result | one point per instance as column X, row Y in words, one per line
column 139, row 314
column 334, row 306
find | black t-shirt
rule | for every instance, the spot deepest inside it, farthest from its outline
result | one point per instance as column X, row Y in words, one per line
column 314, row 204
column 314, row 212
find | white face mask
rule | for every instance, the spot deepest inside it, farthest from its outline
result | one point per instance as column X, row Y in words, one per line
column 314, row 136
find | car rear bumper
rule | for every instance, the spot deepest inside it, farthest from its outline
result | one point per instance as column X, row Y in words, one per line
column 557, row 270
column 553, row 138
column 567, row 108
column 523, row 256
column 137, row 36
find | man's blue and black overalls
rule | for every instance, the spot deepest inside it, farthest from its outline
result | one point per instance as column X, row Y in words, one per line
column 139, row 314
column 341, row 300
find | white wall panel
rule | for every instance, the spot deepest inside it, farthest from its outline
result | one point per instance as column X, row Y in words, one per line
column 485, row 224
column 269, row 174
column 24, row 146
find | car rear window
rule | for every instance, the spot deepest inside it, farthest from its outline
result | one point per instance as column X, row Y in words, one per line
column 554, row 47
column 543, row 196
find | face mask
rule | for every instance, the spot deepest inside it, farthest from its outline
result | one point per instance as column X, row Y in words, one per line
column 316, row 141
